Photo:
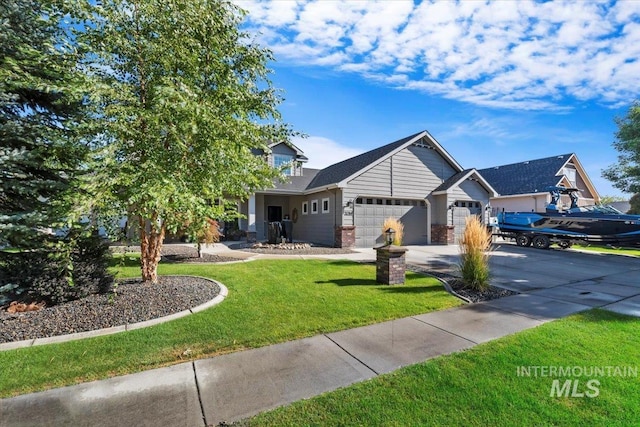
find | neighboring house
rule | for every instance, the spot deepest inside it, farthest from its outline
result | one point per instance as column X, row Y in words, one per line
column 623, row 206
column 413, row 179
column 522, row 186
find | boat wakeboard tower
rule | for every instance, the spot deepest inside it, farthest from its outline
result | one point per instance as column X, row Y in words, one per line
column 587, row 224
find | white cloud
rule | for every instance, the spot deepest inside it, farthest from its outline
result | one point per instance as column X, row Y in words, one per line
column 512, row 54
column 323, row 152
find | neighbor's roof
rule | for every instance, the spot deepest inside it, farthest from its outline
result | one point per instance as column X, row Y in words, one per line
column 532, row 176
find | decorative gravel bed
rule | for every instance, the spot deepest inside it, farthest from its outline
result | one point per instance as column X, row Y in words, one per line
column 280, row 249
column 133, row 302
column 447, row 273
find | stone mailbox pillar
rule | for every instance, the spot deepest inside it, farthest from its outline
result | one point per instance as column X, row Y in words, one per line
column 390, row 264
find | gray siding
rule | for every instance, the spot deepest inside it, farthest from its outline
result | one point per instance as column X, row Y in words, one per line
column 319, row 227
column 412, row 173
column 286, row 150
column 375, row 181
column 418, row 171
column 439, row 209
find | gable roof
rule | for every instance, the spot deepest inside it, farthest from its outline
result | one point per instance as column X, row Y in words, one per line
column 532, row 176
column 457, row 179
column 339, row 173
column 299, row 153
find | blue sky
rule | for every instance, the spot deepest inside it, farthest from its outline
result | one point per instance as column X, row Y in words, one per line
column 494, row 82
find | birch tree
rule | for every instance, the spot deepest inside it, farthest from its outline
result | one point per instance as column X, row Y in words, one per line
column 184, row 99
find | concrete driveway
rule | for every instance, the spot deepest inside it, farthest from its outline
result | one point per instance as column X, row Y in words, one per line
column 607, row 281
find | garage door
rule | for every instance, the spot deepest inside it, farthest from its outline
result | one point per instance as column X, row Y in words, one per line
column 461, row 211
column 370, row 213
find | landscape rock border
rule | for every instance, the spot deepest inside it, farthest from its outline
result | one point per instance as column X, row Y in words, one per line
column 222, row 294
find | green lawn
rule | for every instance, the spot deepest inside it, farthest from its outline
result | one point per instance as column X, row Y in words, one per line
column 269, row 301
column 481, row 386
column 610, row 250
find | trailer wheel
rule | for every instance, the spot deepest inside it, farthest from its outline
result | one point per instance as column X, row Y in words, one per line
column 564, row 244
column 541, row 242
column 523, row 240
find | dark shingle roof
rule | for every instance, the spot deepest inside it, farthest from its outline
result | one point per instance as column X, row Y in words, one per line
column 344, row 169
column 452, row 180
column 298, row 183
column 527, row 177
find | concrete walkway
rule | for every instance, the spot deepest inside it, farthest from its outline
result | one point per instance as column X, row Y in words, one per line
column 234, row 386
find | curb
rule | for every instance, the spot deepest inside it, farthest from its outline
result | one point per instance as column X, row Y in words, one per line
column 224, row 292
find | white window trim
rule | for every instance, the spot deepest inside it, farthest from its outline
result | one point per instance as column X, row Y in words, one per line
column 314, row 206
column 328, row 205
column 305, row 208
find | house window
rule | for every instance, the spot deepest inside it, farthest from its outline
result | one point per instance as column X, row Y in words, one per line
column 571, row 175
column 280, row 160
column 305, row 208
column 314, row 206
column 325, row 205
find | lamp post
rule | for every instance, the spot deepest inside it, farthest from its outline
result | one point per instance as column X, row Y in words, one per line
column 390, row 233
column 390, row 260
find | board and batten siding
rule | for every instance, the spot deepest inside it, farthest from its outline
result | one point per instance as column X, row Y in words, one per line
column 412, row 173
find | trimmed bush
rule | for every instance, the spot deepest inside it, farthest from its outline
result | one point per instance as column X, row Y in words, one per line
column 474, row 258
column 56, row 277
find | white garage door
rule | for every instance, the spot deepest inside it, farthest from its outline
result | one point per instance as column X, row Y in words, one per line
column 370, row 213
column 461, row 211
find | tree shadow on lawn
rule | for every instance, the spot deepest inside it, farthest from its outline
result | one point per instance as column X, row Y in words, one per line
column 395, row 289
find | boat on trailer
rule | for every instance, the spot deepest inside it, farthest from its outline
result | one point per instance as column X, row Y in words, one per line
column 590, row 224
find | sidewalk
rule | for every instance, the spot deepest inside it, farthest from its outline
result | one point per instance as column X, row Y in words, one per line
column 238, row 385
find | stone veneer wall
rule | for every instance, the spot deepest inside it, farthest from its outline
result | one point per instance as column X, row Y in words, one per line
column 390, row 265
column 344, row 236
column 443, row 234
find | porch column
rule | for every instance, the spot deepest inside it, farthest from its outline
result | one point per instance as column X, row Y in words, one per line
column 251, row 219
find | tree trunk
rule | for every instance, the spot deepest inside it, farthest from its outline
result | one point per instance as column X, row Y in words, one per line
column 150, row 247
column 199, row 250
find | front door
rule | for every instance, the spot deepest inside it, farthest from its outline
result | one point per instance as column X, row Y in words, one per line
column 274, row 213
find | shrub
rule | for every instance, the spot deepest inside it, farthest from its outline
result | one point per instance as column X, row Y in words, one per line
column 58, row 276
column 474, row 258
column 394, row 223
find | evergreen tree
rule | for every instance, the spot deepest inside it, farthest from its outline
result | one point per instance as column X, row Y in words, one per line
column 40, row 111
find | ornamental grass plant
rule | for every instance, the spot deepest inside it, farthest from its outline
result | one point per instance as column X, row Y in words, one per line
column 474, row 256
column 397, row 226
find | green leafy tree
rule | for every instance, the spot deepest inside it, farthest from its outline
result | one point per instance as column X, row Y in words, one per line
column 625, row 175
column 185, row 101
column 635, row 204
column 41, row 98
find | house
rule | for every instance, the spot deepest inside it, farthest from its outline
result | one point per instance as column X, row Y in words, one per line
column 522, row 186
column 344, row 205
column 622, row 206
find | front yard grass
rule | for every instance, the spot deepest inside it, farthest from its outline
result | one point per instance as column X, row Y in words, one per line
column 481, row 386
column 269, row 301
column 610, row 250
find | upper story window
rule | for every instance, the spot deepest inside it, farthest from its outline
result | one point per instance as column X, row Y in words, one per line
column 280, row 160
column 571, row 175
